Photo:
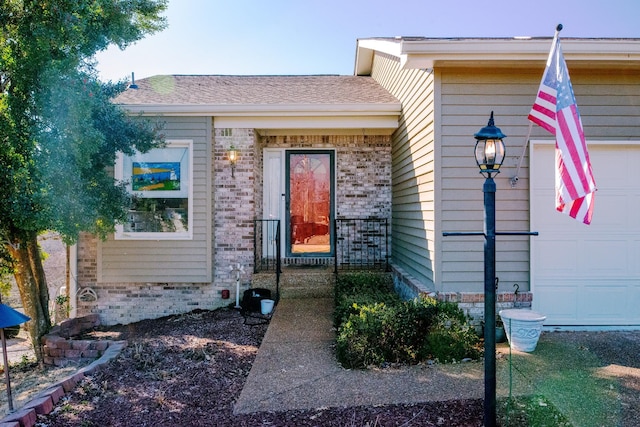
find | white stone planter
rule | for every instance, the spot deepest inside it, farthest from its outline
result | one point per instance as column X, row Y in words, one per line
column 523, row 328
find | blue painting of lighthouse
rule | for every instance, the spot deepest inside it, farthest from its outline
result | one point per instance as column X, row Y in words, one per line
column 155, row 176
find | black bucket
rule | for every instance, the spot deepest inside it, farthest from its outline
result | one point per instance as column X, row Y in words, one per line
column 252, row 298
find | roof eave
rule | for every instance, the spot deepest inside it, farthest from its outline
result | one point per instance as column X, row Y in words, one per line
column 247, row 110
column 369, row 119
column 430, row 53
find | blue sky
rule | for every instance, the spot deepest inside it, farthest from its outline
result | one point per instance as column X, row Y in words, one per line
column 244, row 37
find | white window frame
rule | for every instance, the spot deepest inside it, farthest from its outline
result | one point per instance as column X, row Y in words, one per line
column 123, row 173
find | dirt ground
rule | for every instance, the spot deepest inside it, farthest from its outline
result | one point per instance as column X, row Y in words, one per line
column 190, row 369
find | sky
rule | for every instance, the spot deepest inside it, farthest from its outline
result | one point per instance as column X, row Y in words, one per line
column 299, row 37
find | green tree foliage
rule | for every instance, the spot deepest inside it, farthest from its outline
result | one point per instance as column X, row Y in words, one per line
column 59, row 130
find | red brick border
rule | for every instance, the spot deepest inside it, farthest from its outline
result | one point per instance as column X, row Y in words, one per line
column 44, row 402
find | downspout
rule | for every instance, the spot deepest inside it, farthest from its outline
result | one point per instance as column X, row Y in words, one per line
column 73, row 281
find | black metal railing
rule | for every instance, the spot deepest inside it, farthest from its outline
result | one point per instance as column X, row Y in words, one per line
column 361, row 244
column 266, row 246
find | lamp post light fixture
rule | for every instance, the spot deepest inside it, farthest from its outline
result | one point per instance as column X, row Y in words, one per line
column 489, row 148
column 233, row 158
column 489, row 156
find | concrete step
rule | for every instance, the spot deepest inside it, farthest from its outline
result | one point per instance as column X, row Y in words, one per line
column 307, row 282
column 299, row 282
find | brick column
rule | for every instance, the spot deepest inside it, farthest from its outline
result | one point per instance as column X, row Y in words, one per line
column 234, row 205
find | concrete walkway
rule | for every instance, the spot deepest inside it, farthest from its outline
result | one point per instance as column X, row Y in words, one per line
column 296, row 369
column 592, row 378
column 20, row 347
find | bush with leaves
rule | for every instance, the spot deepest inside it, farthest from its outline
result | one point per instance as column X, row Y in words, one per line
column 452, row 337
column 361, row 289
column 375, row 326
column 360, row 338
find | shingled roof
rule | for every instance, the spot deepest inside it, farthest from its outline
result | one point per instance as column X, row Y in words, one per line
column 255, row 90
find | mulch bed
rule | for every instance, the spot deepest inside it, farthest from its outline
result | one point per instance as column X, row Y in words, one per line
column 190, row 369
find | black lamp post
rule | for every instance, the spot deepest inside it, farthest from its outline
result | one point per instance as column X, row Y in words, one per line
column 489, row 156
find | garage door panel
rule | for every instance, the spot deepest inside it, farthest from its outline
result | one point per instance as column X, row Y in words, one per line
column 633, row 304
column 612, row 211
column 570, row 302
column 606, row 257
column 610, row 307
column 633, row 258
column 633, row 203
column 551, row 265
column 588, row 275
column 619, row 158
column 559, row 302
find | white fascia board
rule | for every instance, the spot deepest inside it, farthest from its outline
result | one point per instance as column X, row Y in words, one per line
column 324, row 131
column 392, row 47
column 381, row 122
column 307, row 110
column 365, row 49
column 429, row 53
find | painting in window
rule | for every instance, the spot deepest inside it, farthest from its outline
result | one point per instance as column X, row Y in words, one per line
column 160, row 184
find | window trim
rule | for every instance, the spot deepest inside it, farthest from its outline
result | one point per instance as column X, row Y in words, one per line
column 120, row 176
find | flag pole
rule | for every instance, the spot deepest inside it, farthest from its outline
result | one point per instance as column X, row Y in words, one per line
column 553, row 43
column 514, row 179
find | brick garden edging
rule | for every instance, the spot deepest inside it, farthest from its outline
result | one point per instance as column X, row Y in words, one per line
column 43, row 402
column 60, row 350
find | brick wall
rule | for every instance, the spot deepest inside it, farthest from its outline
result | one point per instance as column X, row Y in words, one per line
column 124, row 303
column 87, row 249
column 472, row 303
column 363, row 169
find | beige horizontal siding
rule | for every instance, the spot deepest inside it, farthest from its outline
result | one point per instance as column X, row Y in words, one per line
column 413, row 210
column 177, row 261
column 609, row 103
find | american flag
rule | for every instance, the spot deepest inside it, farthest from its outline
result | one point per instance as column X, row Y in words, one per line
column 556, row 111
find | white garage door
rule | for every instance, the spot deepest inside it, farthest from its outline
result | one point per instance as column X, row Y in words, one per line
column 588, row 274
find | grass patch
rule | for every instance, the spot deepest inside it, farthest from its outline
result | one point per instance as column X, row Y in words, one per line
column 564, row 375
column 533, row 410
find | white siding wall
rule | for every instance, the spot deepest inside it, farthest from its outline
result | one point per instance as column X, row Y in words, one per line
column 177, row 261
column 413, row 178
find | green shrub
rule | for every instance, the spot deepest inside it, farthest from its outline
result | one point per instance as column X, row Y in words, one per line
column 359, row 339
column 361, row 289
column 375, row 326
column 452, row 338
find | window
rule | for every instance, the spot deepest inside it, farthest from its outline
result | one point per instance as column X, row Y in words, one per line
column 160, row 182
